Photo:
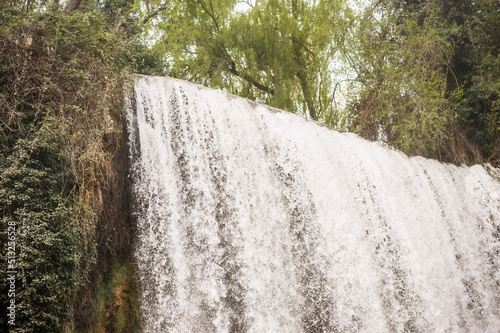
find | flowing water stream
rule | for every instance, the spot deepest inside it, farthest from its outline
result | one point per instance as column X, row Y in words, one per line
column 251, row 219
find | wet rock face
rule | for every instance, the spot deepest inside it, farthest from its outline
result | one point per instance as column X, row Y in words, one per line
column 256, row 221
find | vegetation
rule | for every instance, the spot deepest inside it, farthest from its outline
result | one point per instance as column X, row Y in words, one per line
column 427, row 75
column 62, row 160
column 275, row 51
column 420, row 75
column 116, row 300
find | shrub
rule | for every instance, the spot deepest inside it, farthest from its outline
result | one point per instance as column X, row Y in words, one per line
column 60, row 124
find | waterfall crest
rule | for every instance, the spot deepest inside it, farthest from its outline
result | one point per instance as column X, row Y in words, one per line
column 251, row 219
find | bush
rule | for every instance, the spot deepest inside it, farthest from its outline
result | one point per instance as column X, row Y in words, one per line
column 60, row 122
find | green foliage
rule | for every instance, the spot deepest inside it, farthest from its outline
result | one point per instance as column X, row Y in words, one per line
column 277, row 51
column 426, row 75
column 402, row 94
column 473, row 29
column 60, row 123
column 49, row 235
column 480, row 111
column 61, row 95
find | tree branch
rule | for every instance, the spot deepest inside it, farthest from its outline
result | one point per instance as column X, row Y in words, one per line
column 118, row 25
column 211, row 14
column 248, row 78
column 156, row 12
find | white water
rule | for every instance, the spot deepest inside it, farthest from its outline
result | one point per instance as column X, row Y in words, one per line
column 256, row 220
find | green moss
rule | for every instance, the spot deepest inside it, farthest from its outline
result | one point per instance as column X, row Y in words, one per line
column 117, row 301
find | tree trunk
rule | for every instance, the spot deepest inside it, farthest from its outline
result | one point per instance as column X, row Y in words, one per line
column 306, row 92
column 301, row 72
column 71, row 6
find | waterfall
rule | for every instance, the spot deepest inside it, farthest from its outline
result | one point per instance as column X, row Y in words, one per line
column 251, row 219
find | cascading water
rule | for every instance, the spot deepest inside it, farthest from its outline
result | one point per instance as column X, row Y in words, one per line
column 255, row 220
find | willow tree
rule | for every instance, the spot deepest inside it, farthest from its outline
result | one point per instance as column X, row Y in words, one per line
column 274, row 51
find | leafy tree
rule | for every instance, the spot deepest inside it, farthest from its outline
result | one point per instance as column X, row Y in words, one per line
column 475, row 64
column 424, row 77
column 400, row 83
column 275, row 51
column 474, row 30
column 420, row 74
